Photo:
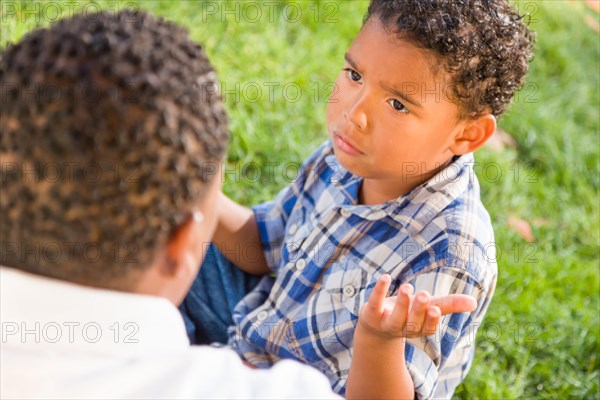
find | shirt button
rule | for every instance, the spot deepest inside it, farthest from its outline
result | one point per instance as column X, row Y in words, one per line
column 349, row 290
column 293, row 229
column 262, row 315
column 345, row 212
column 300, row 264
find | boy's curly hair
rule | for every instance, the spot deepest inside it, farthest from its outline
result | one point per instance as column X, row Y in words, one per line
column 484, row 45
column 111, row 128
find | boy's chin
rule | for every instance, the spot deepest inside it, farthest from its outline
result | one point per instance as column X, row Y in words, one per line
column 349, row 163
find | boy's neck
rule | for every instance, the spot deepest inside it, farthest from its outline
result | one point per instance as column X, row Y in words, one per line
column 378, row 191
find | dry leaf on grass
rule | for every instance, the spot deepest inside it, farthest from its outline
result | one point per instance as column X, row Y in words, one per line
column 500, row 140
column 591, row 21
column 521, row 227
column 594, row 5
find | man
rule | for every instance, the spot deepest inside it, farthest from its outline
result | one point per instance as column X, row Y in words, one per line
column 111, row 141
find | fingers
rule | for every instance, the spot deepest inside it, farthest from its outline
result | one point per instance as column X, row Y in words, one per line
column 410, row 315
column 416, row 318
column 377, row 298
column 431, row 320
column 454, row 303
column 402, row 307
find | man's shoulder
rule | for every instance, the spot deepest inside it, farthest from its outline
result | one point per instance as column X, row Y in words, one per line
column 193, row 372
column 286, row 379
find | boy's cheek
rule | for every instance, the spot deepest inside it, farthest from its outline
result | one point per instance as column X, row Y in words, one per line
column 331, row 112
column 335, row 113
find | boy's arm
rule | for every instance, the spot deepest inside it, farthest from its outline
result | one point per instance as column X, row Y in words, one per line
column 378, row 367
column 237, row 238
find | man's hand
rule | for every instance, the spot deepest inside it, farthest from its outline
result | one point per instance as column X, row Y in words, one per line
column 408, row 315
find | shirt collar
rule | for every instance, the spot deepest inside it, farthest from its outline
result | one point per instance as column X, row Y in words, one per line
column 416, row 208
column 43, row 313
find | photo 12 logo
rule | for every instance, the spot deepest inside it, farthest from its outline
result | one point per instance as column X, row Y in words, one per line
column 269, row 11
column 69, row 332
column 48, row 12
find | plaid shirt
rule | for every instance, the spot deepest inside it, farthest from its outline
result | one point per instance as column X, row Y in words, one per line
column 327, row 252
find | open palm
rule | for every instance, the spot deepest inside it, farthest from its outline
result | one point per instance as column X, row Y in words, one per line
column 408, row 315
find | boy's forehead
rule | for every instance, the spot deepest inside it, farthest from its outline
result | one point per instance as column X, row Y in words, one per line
column 395, row 59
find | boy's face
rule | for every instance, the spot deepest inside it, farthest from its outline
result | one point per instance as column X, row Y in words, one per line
column 388, row 117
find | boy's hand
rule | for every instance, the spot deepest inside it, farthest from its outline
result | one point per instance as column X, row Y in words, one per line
column 408, row 315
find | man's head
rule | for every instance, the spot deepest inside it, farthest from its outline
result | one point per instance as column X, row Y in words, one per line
column 111, row 141
column 424, row 80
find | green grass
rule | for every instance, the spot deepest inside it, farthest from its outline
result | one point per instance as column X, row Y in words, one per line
column 540, row 337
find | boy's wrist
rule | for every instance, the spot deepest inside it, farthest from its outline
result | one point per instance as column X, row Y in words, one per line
column 373, row 339
column 379, row 368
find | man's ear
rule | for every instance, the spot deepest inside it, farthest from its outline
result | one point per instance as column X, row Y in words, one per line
column 182, row 255
column 474, row 135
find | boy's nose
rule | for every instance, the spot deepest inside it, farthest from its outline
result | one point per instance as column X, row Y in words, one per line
column 356, row 114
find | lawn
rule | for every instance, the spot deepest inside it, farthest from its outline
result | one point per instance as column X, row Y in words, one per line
column 277, row 62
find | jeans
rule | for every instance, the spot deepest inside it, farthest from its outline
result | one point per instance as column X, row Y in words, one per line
column 208, row 307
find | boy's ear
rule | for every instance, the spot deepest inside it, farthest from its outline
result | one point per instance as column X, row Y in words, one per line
column 474, row 135
column 182, row 254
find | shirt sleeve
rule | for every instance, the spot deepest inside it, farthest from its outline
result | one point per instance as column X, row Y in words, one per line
column 438, row 363
column 272, row 216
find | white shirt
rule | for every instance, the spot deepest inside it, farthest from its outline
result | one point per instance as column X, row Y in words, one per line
column 62, row 340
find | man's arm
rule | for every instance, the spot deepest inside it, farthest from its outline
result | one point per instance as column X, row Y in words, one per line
column 237, row 237
column 378, row 367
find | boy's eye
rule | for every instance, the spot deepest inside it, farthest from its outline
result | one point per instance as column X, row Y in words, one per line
column 353, row 75
column 398, row 106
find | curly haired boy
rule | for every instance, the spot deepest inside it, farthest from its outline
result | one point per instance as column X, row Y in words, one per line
column 388, row 206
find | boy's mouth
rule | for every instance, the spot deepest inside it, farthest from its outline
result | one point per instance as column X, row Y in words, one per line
column 344, row 144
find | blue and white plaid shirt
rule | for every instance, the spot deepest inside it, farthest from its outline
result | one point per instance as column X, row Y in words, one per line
column 328, row 251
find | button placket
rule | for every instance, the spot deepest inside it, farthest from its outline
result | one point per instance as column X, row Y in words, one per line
column 297, row 232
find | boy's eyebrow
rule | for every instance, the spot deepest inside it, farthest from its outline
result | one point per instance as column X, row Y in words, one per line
column 350, row 61
column 389, row 88
column 402, row 96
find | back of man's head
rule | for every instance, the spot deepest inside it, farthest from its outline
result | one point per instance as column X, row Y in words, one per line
column 110, row 130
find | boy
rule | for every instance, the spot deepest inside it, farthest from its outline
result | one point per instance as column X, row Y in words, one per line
column 392, row 192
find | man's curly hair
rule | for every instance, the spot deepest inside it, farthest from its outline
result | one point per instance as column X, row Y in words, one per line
column 485, row 46
column 111, row 129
